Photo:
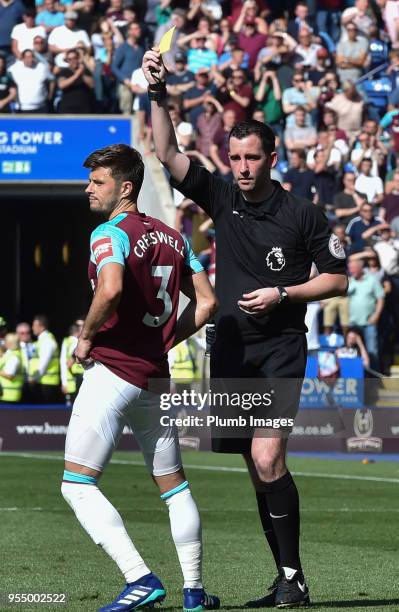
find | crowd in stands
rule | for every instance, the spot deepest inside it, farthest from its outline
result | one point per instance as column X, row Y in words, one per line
column 324, row 74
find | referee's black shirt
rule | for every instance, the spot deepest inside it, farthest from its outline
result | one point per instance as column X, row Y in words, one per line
column 266, row 244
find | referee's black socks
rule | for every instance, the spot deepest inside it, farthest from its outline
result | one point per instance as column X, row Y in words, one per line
column 282, row 506
column 267, row 525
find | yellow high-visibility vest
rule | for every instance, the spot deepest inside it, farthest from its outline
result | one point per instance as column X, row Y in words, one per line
column 76, row 368
column 12, row 389
column 184, row 366
column 52, row 374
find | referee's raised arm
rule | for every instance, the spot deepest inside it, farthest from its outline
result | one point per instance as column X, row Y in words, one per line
column 166, row 147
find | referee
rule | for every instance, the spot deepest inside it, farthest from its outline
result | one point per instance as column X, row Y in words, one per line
column 266, row 241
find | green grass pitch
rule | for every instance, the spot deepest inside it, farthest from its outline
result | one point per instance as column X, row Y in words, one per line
column 349, row 533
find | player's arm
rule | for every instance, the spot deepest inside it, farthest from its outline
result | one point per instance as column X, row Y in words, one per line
column 165, row 142
column 201, row 308
column 105, row 302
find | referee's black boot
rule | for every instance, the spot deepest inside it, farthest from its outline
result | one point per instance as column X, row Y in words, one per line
column 292, row 590
column 267, row 601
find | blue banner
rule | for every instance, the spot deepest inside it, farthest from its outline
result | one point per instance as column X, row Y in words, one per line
column 53, row 149
column 346, row 391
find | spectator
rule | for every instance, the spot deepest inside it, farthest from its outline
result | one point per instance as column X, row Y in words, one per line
column 11, row 12
column 306, row 51
column 249, row 13
column 41, row 52
column 77, row 85
column 183, row 129
column 370, row 185
column 357, row 228
column 390, row 15
column 329, row 119
column 359, row 16
column 325, row 177
column 11, row 372
column 300, row 136
column 233, row 60
column 182, row 79
column 8, row 88
column 47, row 374
column 22, row 34
column 208, row 124
column 50, row 17
column 319, row 74
column 325, row 142
column 349, row 108
column 178, row 20
column 88, row 15
column 224, row 36
column 67, row 36
column 351, row 54
column 278, row 47
column 353, row 347
column 35, row 84
column 387, row 249
column 237, row 95
column 268, row 96
column 251, row 40
column 198, row 56
column 28, row 358
column 194, row 98
column 104, row 27
column 366, row 302
column 299, row 178
column 347, row 203
column 368, row 147
column 219, row 149
column 301, row 21
column 127, row 58
column 390, row 203
column 335, row 309
column 300, row 94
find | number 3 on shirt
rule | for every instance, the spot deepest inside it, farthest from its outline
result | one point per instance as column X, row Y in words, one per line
column 164, row 273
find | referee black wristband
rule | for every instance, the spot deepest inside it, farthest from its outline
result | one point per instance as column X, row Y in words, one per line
column 157, row 91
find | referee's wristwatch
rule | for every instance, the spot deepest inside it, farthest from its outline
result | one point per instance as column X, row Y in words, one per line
column 283, row 294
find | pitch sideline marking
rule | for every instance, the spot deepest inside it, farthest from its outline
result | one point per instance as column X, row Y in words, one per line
column 214, row 468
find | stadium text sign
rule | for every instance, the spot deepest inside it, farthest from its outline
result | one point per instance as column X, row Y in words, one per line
column 346, row 391
column 53, row 149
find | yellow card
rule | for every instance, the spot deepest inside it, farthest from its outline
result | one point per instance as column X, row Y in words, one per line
column 166, row 41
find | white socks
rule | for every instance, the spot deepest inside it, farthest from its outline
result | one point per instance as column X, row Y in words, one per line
column 185, row 525
column 104, row 525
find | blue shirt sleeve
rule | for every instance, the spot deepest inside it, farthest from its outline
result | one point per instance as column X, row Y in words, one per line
column 387, row 119
column 191, row 260
column 108, row 244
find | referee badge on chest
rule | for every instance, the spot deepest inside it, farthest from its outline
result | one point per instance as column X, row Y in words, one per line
column 275, row 259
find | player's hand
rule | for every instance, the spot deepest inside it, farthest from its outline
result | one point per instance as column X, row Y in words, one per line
column 82, row 353
column 153, row 67
column 260, row 301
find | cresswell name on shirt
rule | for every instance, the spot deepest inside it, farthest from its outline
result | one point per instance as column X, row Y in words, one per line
column 157, row 237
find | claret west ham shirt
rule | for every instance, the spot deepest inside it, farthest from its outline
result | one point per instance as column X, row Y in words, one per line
column 259, row 245
column 134, row 342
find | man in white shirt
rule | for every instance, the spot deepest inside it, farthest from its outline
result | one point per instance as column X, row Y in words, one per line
column 67, row 36
column 35, row 83
column 48, row 370
column 388, row 252
column 372, row 186
column 22, row 34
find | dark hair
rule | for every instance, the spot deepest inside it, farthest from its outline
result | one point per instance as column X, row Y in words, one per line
column 126, row 164
column 263, row 131
column 300, row 152
column 42, row 319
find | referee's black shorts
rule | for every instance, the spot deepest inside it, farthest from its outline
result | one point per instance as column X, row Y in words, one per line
column 275, row 366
